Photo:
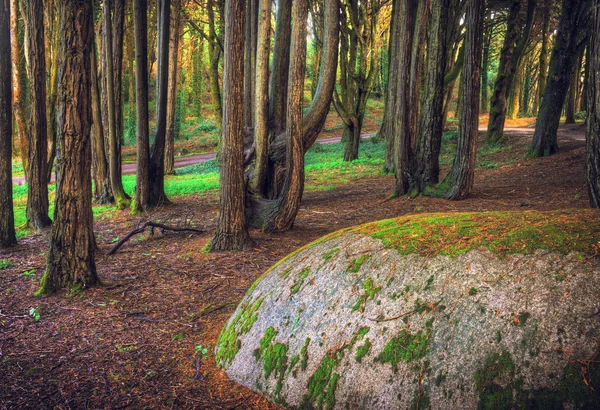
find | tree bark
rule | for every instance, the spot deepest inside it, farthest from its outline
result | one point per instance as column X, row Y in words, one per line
column 281, row 62
column 214, row 52
column 172, row 88
column 53, row 38
column 142, row 188
column 288, row 203
column 72, row 245
column 37, row 192
column 458, row 183
column 592, row 167
column 232, row 232
column 250, row 62
column 7, row 218
column 572, row 22
column 156, row 169
column 571, row 106
column 544, row 51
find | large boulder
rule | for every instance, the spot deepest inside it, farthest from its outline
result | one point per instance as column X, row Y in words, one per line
column 469, row 310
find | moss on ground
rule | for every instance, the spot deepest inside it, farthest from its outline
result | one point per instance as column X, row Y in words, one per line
column 228, row 343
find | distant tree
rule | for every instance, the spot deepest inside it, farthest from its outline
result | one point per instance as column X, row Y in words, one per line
column 592, row 168
column 7, row 220
column 37, row 188
column 172, row 92
column 72, row 244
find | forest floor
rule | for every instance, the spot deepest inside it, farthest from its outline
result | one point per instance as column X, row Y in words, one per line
column 132, row 342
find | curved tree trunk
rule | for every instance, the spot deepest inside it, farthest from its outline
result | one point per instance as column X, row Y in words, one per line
column 232, row 232
column 572, row 21
column 7, row 219
column 172, row 88
column 592, row 167
column 72, row 245
column 37, row 192
column 459, row 181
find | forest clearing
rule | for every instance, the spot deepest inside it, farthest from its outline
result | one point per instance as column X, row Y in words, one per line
column 308, row 204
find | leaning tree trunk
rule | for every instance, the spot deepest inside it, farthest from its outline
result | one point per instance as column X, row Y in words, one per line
column 142, row 187
column 72, row 245
column 288, row 203
column 592, row 167
column 232, row 232
column 22, row 129
column 545, row 140
column 172, row 88
column 37, row 192
column 7, row 219
column 459, row 181
column 156, row 168
column 114, row 152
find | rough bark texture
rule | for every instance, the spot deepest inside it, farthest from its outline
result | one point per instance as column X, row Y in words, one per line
column 142, row 187
column 72, row 245
column 172, row 88
column 288, row 203
column 37, row 192
column 7, row 220
column 281, row 62
column 231, row 232
column 214, row 53
column 156, row 168
column 250, row 63
column 592, row 168
column 18, row 103
column 574, row 13
column 458, row 183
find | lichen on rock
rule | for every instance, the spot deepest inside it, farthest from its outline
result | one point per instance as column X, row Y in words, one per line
column 478, row 310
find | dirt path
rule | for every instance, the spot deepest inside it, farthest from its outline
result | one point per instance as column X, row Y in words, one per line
column 131, row 343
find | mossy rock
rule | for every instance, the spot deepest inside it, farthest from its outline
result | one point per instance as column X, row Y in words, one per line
column 463, row 310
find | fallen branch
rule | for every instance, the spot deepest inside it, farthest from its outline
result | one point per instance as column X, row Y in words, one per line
column 152, row 225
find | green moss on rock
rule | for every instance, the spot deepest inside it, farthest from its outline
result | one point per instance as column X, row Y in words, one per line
column 405, row 347
column 228, row 343
column 274, row 356
column 357, row 263
column 363, row 350
column 298, row 283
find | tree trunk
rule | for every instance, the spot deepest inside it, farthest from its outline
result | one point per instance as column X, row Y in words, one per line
column 37, row 192
column 261, row 120
column 250, row 62
column 7, row 219
column 231, row 232
column 22, row 129
column 102, row 191
column 431, row 120
column 515, row 93
column 544, row 52
column 288, row 203
column 142, row 188
column 458, row 183
column 545, row 141
column 114, row 152
column 118, row 38
column 156, row 169
column 592, row 167
column 172, row 88
column 487, row 44
column 72, row 245
column 214, row 51
column 571, row 108
column 281, row 62
column 53, row 31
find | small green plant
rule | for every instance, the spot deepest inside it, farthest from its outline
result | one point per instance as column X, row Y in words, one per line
column 35, row 313
column 178, row 337
column 201, row 352
column 28, row 273
column 5, row 264
column 125, row 348
column 115, row 239
column 577, row 196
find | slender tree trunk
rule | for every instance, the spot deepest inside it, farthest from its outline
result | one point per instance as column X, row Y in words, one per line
column 281, row 62
column 156, row 169
column 261, row 119
column 250, row 62
column 37, row 192
column 102, row 191
column 114, row 152
column 545, row 141
column 118, row 38
column 172, row 88
column 232, row 232
column 53, row 31
column 544, row 52
column 289, row 201
column 431, row 120
column 214, row 51
column 458, row 183
column 487, row 43
column 72, row 245
column 571, row 107
column 385, row 132
column 142, row 188
column 22, row 129
column 514, row 104
column 7, row 219
column 592, row 167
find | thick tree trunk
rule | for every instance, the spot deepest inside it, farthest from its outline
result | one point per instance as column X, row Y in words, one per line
column 156, row 169
column 592, row 167
column 288, row 203
column 545, row 141
column 172, row 89
column 142, row 188
column 261, row 115
column 518, row 83
column 114, row 152
column 7, row 219
column 37, row 192
column 72, row 245
column 281, row 62
column 458, row 183
column 232, row 232
column 22, row 129
column 431, row 120
column 102, row 191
